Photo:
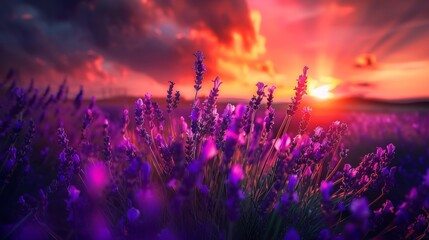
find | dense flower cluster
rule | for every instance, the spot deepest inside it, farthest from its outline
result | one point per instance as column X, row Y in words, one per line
column 199, row 176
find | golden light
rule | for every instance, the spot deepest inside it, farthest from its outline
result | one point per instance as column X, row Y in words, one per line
column 322, row 92
column 322, row 87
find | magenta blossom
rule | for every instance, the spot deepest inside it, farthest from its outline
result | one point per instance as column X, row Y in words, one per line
column 73, row 193
column 209, row 150
column 261, row 89
column 236, row 174
column 217, row 83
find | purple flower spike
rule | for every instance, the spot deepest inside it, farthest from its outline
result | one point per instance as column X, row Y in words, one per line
column 261, row 89
column 360, row 209
column 200, row 69
column 300, row 90
column 209, row 114
column 291, row 235
column 209, row 150
column 195, row 114
column 125, row 120
column 306, row 111
column 236, row 174
column 73, row 193
column 390, row 150
column 270, row 96
column 326, row 189
column 293, row 180
column 176, row 99
column 170, row 97
column 235, row 194
column 133, row 214
column 138, row 113
column 216, row 83
column 183, row 125
column 269, row 122
column 148, row 110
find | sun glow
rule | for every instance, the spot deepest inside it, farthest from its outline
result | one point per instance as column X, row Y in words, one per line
column 322, row 87
column 321, row 92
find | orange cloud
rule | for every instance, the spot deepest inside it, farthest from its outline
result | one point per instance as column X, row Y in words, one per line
column 340, row 10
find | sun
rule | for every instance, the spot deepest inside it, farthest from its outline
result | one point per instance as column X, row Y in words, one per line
column 321, row 92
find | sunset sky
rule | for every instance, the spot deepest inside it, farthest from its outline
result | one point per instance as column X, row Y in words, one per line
column 368, row 48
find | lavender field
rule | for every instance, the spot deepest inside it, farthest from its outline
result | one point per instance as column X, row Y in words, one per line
column 73, row 167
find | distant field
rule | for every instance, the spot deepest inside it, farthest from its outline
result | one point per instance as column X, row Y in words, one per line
column 370, row 124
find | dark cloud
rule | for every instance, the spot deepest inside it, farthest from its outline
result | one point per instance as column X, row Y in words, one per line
column 222, row 17
column 392, row 15
column 71, row 37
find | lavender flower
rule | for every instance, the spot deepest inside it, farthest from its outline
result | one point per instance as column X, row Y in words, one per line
column 139, row 113
column 325, row 190
column 386, row 211
column 300, row 90
column 291, row 234
column 133, row 214
column 148, row 108
column 176, row 99
column 107, row 150
column 247, row 118
column 223, row 125
column 158, row 114
column 209, row 110
column 125, row 120
column 231, row 141
column 10, row 163
column 327, row 205
column 78, row 99
column 269, row 122
column 144, row 134
column 26, row 149
column 196, row 119
column 86, row 121
column 91, row 103
column 189, row 148
column 235, row 193
column 358, row 227
column 260, row 94
column 305, row 120
column 290, row 196
column 270, row 199
column 200, row 69
column 190, row 181
column 62, row 138
column 417, row 197
column 170, row 97
column 209, row 150
column 73, row 194
column 270, row 97
column 164, row 149
column 418, row 227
